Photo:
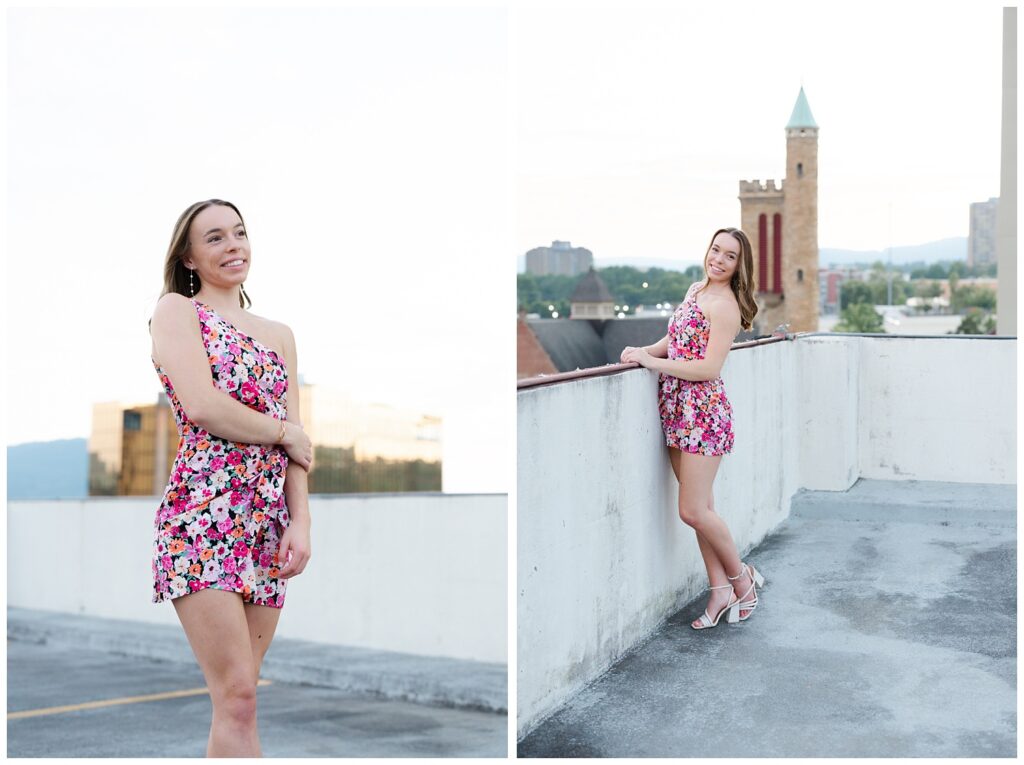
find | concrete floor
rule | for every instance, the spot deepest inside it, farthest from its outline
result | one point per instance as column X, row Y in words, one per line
column 887, row 628
column 294, row 720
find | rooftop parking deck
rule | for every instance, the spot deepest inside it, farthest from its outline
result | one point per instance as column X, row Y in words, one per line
column 887, row 628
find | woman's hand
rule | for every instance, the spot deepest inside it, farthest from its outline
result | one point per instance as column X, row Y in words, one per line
column 294, row 550
column 638, row 355
column 298, row 445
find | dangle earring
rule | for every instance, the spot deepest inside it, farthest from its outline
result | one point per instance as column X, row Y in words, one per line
column 244, row 295
column 191, row 283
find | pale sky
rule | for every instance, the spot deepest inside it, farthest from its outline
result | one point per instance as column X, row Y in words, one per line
column 367, row 151
column 636, row 124
column 392, row 164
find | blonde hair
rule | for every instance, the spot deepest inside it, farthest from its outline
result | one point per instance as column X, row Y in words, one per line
column 742, row 281
column 176, row 274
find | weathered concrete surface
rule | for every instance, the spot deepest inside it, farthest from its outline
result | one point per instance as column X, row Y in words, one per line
column 887, row 629
column 360, row 671
column 602, row 557
column 294, row 720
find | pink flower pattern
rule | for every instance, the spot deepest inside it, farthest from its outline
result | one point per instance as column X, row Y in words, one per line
column 220, row 522
column 696, row 416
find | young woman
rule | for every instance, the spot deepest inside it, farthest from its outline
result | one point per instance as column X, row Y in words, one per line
column 696, row 415
column 233, row 525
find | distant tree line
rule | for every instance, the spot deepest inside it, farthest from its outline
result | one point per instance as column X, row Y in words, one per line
column 944, row 268
column 337, row 471
column 542, row 294
column 976, row 302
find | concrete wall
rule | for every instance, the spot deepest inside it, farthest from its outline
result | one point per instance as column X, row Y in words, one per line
column 938, row 410
column 416, row 573
column 602, row 555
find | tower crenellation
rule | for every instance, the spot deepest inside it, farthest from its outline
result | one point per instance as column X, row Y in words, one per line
column 755, row 186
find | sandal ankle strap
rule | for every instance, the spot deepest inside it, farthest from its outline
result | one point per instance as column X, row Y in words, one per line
column 743, row 570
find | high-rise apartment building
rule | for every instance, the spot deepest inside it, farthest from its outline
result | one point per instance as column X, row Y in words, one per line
column 559, row 258
column 981, row 242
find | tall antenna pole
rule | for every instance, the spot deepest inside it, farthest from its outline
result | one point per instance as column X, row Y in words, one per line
column 890, row 254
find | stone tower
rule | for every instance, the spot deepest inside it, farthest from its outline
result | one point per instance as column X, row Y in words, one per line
column 782, row 223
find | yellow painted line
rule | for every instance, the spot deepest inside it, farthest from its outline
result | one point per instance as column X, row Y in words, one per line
column 114, row 702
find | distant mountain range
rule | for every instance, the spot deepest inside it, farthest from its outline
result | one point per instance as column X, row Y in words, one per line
column 953, row 248
column 48, row 469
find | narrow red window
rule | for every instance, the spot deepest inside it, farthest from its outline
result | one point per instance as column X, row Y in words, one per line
column 777, row 252
column 762, row 253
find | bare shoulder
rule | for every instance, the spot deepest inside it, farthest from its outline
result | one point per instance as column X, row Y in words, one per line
column 724, row 310
column 282, row 332
column 173, row 310
column 174, row 319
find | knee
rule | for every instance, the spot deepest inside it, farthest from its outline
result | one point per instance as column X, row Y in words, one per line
column 692, row 514
column 236, row 700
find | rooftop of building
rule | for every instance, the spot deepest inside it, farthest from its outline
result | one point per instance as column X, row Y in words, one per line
column 884, row 606
column 872, row 482
column 591, row 289
column 87, row 687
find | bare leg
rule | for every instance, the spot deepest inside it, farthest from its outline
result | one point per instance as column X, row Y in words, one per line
column 715, row 569
column 262, row 621
column 216, row 626
column 696, row 508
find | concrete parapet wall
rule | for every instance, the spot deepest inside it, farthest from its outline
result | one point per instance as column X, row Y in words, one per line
column 602, row 555
column 421, row 574
column 938, row 410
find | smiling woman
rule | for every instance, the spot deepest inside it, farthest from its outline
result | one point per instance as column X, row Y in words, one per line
column 233, row 524
column 696, row 414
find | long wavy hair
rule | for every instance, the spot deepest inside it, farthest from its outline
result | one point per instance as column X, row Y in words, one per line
column 742, row 281
column 176, row 274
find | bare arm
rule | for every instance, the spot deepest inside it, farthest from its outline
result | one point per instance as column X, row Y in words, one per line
column 725, row 325
column 295, row 546
column 659, row 349
column 179, row 346
column 296, row 484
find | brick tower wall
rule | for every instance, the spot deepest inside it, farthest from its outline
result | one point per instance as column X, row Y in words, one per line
column 800, row 230
column 759, row 198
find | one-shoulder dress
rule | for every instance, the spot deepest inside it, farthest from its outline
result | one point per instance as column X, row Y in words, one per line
column 223, row 513
column 696, row 416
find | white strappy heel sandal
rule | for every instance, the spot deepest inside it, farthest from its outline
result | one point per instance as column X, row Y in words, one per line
column 705, row 621
column 756, row 580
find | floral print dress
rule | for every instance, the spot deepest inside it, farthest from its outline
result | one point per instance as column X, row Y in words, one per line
column 695, row 415
column 222, row 516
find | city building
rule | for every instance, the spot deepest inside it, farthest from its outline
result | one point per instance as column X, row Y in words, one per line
column 981, row 241
column 357, row 446
column 591, row 298
column 782, row 223
column 830, row 281
column 560, row 258
column 531, row 358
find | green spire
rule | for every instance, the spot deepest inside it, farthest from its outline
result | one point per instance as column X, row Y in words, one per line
column 801, row 117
